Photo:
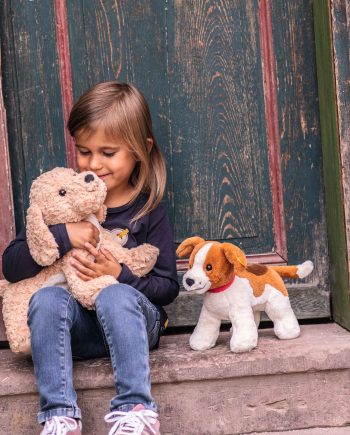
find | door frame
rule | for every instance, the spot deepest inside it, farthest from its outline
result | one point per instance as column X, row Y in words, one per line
column 7, row 227
column 333, row 148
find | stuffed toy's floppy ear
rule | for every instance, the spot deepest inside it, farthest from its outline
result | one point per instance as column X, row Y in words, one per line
column 101, row 214
column 187, row 246
column 234, row 255
column 42, row 244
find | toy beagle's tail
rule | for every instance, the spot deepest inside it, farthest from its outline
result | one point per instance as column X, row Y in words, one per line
column 296, row 272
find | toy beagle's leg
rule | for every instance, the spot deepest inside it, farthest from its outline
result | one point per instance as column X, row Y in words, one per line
column 206, row 332
column 257, row 318
column 244, row 329
column 279, row 310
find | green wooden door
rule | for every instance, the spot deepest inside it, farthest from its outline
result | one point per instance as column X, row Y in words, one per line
column 233, row 94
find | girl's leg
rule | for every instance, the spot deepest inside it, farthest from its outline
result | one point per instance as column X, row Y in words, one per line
column 131, row 325
column 54, row 318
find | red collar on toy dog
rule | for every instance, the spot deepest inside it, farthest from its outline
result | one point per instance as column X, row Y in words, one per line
column 223, row 287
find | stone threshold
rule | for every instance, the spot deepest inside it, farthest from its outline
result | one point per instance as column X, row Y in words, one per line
column 320, row 347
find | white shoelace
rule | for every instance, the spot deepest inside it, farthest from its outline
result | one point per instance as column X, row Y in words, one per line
column 132, row 422
column 59, row 426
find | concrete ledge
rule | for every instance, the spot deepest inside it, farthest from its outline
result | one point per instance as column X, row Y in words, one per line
column 282, row 385
column 315, row 431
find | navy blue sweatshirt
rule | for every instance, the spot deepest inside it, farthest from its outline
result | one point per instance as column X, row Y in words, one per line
column 160, row 286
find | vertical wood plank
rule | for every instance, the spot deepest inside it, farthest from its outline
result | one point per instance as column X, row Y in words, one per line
column 7, row 229
column 222, row 186
column 329, row 60
column 124, row 41
column 32, row 94
column 65, row 75
column 299, row 129
column 271, row 109
column 340, row 14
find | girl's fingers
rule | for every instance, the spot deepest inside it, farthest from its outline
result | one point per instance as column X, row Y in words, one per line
column 78, row 258
column 82, row 276
column 108, row 255
column 84, row 269
column 97, row 253
column 93, row 251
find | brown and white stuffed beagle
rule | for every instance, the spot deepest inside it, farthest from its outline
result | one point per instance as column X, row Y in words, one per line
column 237, row 292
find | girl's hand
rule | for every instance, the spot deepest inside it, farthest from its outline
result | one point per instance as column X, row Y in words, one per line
column 80, row 233
column 105, row 264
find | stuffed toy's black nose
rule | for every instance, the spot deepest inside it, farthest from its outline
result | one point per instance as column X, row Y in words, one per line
column 189, row 282
column 88, row 178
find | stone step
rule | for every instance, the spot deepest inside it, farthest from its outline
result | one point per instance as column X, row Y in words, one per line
column 280, row 386
column 314, row 431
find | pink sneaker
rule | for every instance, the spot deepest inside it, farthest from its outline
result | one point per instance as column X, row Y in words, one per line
column 138, row 421
column 62, row 426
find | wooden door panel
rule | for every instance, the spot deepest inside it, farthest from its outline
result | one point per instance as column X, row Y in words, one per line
column 7, row 228
column 299, row 129
column 233, row 94
column 32, row 95
column 124, row 41
column 220, row 151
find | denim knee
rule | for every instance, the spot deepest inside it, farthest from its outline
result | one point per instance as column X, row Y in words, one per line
column 117, row 297
column 45, row 302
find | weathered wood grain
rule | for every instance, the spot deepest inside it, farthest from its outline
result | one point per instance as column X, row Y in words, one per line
column 200, row 66
column 334, row 149
column 299, row 127
column 124, row 41
column 32, row 94
column 61, row 21
column 341, row 54
column 7, row 227
column 221, row 184
column 271, row 110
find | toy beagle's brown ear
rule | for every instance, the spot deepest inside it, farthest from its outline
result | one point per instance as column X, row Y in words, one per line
column 42, row 244
column 234, row 255
column 187, row 246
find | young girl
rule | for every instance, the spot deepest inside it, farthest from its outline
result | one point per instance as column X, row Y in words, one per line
column 111, row 125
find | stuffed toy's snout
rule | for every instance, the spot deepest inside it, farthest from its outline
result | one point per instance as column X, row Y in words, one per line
column 59, row 196
column 211, row 264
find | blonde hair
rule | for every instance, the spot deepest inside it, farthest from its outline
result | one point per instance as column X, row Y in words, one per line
column 122, row 111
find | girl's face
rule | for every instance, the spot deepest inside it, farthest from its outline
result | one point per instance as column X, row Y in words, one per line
column 111, row 161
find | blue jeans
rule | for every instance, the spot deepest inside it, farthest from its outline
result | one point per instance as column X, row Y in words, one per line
column 124, row 326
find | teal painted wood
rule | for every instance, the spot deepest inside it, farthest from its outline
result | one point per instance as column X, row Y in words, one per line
column 32, row 94
column 341, row 43
column 221, row 183
column 299, row 126
column 198, row 64
column 332, row 24
column 124, row 41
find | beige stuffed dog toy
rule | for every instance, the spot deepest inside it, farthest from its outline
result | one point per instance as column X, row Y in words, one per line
column 237, row 292
column 63, row 196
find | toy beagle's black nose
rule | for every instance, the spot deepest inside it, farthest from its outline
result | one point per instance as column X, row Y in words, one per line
column 189, row 282
column 88, row 178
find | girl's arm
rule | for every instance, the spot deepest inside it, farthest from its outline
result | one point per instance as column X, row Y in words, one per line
column 17, row 262
column 161, row 286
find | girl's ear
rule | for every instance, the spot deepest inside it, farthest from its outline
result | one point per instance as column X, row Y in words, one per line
column 42, row 244
column 149, row 143
column 234, row 255
column 187, row 246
